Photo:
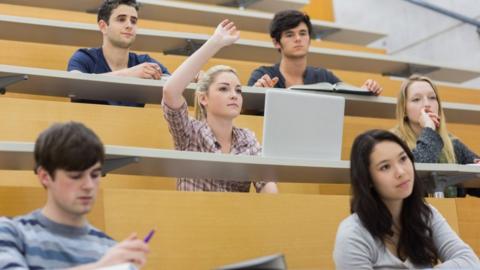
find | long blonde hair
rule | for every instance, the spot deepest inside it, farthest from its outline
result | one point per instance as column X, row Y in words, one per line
column 202, row 87
column 405, row 131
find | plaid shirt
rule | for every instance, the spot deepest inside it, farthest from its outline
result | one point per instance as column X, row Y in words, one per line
column 194, row 135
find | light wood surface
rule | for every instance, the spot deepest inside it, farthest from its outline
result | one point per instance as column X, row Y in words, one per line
column 171, row 163
column 86, row 35
column 448, row 208
column 209, row 15
column 16, row 200
column 265, row 5
column 145, row 127
column 26, row 178
column 21, row 178
column 25, row 119
column 46, row 82
column 46, row 13
column 205, row 230
column 320, row 10
column 469, row 221
column 55, row 56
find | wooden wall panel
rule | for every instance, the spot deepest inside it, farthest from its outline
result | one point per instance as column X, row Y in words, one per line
column 45, row 13
column 145, row 127
column 320, row 10
column 9, row 178
column 56, row 57
column 16, row 201
column 204, row 230
column 469, row 221
column 139, row 127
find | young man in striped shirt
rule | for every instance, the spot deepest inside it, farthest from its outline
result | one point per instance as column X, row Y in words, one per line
column 68, row 161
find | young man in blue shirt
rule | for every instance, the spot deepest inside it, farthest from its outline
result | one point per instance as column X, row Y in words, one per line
column 68, row 161
column 291, row 32
column 117, row 20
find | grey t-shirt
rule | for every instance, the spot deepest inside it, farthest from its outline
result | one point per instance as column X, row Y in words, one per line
column 355, row 248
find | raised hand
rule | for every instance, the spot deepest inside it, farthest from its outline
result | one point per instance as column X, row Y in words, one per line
column 226, row 33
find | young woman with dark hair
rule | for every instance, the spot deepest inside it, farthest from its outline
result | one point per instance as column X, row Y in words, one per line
column 391, row 225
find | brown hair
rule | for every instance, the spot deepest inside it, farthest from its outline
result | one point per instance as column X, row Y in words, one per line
column 105, row 11
column 70, row 146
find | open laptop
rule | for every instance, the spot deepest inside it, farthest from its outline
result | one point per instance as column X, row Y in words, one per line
column 302, row 125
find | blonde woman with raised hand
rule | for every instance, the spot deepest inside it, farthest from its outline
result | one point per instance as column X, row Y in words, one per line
column 218, row 103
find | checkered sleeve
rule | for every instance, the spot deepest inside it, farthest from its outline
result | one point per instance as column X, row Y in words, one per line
column 179, row 124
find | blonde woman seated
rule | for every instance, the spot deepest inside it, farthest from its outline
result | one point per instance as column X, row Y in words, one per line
column 219, row 98
column 422, row 125
column 391, row 226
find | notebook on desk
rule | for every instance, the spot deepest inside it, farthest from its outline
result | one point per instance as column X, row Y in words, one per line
column 340, row 87
column 302, row 125
column 271, row 262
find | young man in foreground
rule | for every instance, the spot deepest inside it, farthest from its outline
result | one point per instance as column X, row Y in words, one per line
column 69, row 159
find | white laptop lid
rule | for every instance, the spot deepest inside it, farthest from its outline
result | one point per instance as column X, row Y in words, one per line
column 303, row 125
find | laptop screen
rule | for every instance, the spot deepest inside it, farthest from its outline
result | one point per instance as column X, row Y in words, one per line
column 302, row 125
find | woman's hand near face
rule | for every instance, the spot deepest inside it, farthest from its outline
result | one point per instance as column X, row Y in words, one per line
column 429, row 119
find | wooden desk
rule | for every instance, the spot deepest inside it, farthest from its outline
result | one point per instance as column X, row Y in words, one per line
column 205, row 230
column 15, row 201
column 209, row 15
column 88, row 35
column 265, row 5
column 103, row 87
column 196, row 230
column 171, row 163
column 60, row 83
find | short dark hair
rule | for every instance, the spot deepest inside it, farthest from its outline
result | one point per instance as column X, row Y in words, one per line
column 69, row 146
column 288, row 19
column 105, row 10
column 415, row 240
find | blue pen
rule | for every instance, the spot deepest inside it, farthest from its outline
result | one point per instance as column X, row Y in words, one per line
column 149, row 236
